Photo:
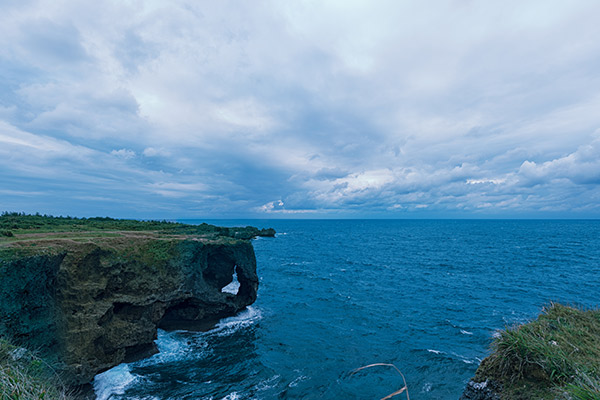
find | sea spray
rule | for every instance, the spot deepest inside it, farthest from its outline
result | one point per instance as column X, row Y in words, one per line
column 113, row 382
column 173, row 347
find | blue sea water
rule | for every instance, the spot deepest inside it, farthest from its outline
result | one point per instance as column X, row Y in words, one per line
column 335, row 295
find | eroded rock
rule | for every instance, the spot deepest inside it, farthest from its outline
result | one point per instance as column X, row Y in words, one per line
column 90, row 306
column 486, row 390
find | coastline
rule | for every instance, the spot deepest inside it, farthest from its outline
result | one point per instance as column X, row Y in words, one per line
column 90, row 294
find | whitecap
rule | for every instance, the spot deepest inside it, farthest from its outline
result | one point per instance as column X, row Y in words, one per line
column 230, row 325
column 434, row 351
column 267, row 384
column 299, row 379
column 172, row 346
column 232, row 396
column 176, row 346
column 465, row 332
column 114, row 381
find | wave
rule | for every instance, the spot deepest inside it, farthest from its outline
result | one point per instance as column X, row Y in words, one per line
column 230, row 325
column 172, row 346
column 114, row 381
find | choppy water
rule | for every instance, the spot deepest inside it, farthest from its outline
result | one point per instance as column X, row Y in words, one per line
column 426, row 296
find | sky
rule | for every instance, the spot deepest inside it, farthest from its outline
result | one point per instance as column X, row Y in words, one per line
column 300, row 109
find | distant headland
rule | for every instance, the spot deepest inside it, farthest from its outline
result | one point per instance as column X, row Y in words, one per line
column 90, row 293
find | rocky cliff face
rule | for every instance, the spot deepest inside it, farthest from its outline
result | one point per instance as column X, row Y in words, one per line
column 486, row 390
column 90, row 305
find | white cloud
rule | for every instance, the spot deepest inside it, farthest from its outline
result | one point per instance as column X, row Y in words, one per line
column 496, row 181
column 277, row 207
column 153, row 152
column 272, row 206
column 123, row 153
column 580, row 167
column 177, row 190
column 20, row 146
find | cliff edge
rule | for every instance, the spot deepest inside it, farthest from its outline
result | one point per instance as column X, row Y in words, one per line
column 92, row 299
column 556, row 356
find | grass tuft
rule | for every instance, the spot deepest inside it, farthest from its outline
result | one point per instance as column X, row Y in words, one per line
column 559, row 352
column 584, row 388
column 24, row 376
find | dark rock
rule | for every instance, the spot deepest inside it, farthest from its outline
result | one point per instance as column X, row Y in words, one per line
column 486, row 390
column 91, row 306
column 268, row 232
column 247, row 233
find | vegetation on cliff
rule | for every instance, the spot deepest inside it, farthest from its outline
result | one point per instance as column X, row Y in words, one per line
column 555, row 356
column 25, row 376
column 13, row 222
column 23, row 234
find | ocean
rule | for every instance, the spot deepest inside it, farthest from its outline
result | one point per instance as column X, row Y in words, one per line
column 427, row 296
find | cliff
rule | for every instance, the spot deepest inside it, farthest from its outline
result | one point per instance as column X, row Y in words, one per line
column 556, row 356
column 90, row 300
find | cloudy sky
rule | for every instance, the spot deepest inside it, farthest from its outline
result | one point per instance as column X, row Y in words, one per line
column 296, row 109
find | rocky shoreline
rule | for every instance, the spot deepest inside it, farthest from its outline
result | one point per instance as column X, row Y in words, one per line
column 92, row 300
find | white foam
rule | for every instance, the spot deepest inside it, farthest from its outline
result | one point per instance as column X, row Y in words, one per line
column 299, row 379
column 172, row 346
column 113, row 381
column 233, row 287
column 465, row 332
column 434, row 351
column 267, row 384
column 176, row 346
column 169, row 344
column 228, row 326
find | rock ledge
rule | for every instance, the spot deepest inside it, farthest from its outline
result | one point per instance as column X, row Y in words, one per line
column 89, row 305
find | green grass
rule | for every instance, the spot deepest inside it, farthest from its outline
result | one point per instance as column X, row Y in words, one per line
column 23, row 235
column 14, row 224
column 555, row 356
column 8, row 253
column 24, row 376
column 155, row 254
column 25, row 223
column 584, row 388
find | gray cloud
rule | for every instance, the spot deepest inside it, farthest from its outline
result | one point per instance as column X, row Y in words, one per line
column 270, row 108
